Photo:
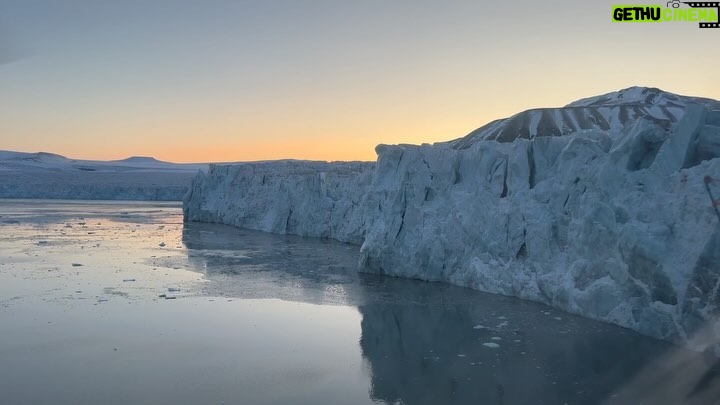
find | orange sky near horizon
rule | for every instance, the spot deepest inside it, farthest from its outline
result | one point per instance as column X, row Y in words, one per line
column 275, row 79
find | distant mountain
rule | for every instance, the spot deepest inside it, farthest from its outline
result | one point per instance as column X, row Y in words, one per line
column 607, row 112
column 39, row 157
column 48, row 175
column 147, row 161
column 24, row 161
column 140, row 159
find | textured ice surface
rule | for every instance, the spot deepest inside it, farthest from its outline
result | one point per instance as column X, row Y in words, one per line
column 611, row 222
column 296, row 197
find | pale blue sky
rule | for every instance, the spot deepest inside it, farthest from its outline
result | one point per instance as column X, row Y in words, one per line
column 244, row 80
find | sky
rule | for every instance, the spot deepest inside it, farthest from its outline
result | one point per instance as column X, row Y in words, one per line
column 235, row 80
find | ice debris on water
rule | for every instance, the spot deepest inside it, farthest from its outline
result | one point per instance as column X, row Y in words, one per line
column 491, row 345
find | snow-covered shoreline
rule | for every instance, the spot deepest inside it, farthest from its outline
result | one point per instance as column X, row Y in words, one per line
column 49, row 176
column 612, row 224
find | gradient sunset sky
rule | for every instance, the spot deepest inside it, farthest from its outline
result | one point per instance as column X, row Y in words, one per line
column 233, row 80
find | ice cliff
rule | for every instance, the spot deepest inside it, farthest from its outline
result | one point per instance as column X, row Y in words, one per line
column 296, row 197
column 598, row 208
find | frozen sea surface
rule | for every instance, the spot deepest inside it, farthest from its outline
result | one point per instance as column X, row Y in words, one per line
column 122, row 303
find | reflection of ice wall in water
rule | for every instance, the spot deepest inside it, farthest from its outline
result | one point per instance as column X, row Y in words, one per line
column 273, row 266
column 430, row 355
column 422, row 337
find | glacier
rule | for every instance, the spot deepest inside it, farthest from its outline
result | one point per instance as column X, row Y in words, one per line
column 598, row 208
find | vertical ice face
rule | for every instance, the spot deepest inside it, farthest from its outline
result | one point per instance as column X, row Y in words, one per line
column 295, row 197
column 615, row 227
column 610, row 222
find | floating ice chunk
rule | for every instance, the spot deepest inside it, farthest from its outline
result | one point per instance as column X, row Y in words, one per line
column 491, row 345
column 478, row 327
column 496, row 338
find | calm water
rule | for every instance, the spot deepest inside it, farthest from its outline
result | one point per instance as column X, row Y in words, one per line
column 268, row 319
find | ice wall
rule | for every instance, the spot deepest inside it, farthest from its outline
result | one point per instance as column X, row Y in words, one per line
column 612, row 225
column 617, row 227
column 296, row 197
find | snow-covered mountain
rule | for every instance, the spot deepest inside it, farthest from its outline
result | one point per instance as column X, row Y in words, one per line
column 42, row 160
column 609, row 112
column 599, row 209
column 47, row 175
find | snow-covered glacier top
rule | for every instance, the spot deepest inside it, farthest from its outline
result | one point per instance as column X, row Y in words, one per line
column 599, row 209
